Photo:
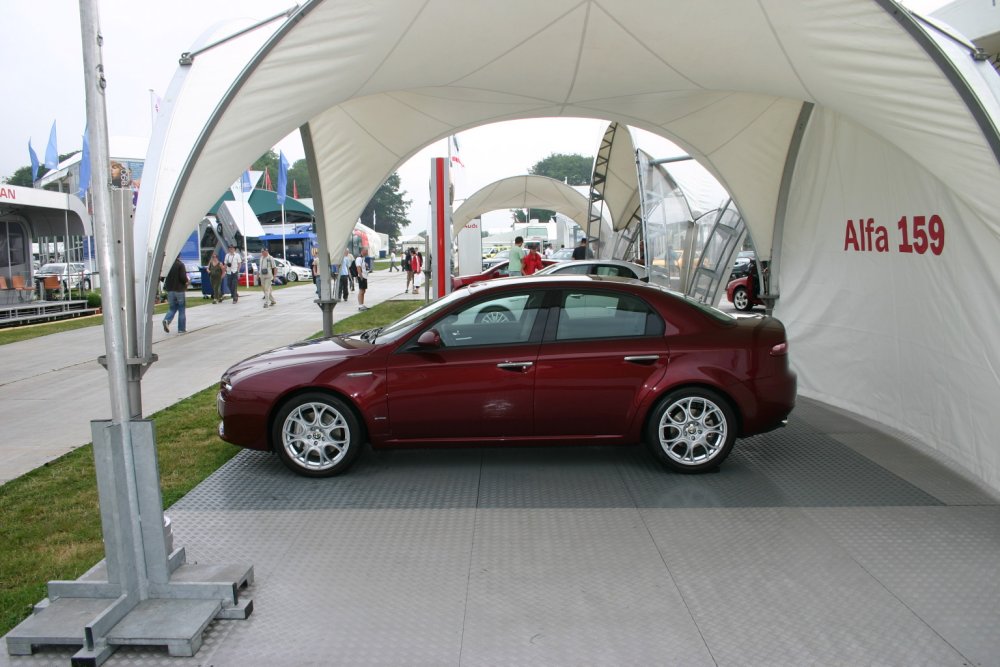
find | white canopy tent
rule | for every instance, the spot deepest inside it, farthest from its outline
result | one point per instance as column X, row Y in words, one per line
column 829, row 113
column 523, row 192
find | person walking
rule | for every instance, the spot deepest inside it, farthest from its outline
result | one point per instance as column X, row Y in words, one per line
column 515, row 266
column 266, row 269
column 343, row 276
column 362, row 267
column 233, row 261
column 417, row 262
column 215, row 273
column 408, row 267
column 176, row 285
column 392, row 261
column 314, row 267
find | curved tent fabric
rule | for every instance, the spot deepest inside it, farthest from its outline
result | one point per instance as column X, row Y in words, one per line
column 376, row 80
column 523, row 192
column 263, row 202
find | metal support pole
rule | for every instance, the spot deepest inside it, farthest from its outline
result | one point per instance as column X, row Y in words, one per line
column 326, row 302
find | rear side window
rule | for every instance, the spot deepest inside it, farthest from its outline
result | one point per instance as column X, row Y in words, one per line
column 585, row 314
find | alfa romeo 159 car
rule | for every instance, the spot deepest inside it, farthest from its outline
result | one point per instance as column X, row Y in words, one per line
column 524, row 361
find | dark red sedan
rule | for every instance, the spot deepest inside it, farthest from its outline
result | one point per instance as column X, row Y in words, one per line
column 495, row 271
column 532, row 361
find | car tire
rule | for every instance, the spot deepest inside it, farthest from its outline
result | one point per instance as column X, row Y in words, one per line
column 292, row 277
column 316, row 435
column 494, row 315
column 86, row 285
column 741, row 299
column 691, row 430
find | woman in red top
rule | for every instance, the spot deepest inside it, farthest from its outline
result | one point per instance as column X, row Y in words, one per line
column 532, row 261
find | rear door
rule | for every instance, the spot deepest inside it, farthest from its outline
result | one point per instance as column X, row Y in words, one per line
column 601, row 350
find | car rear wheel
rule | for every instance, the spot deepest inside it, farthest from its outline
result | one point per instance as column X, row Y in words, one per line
column 292, row 277
column 741, row 299
column 317, row 435
column 692, row 430
column 494, row 314
column 86, row 285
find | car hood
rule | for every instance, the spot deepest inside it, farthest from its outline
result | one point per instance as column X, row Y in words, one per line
column 328, row 351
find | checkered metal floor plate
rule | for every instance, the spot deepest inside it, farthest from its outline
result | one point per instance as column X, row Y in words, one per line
column 826, row 543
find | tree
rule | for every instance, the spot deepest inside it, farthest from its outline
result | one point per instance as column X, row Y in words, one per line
column 268, row 161
column 572, row 169
column 298, row 175
column 389, row 207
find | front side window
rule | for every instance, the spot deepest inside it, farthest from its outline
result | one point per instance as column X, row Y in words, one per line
column 587, row 314
column 501, row 320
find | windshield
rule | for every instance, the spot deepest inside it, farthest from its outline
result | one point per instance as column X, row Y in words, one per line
column 53, row 268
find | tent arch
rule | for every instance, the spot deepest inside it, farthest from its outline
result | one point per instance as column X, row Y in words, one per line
column 524, row 191
column 381, row 78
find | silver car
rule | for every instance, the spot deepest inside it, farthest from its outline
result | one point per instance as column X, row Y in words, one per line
column 595, row 267
column 73, row 275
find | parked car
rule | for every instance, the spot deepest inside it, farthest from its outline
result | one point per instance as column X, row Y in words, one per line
column 291, row 272
column 194, row 274
column 596, row 267
column 498, row 270
column 524, row 361
column 72, row 275
column 562, row 255
column 502, row 256
column 741, row 265
column 744, row 292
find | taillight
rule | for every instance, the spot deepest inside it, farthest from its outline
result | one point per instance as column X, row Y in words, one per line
column 779, row 350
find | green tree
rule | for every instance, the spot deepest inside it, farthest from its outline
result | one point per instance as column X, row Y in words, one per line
column 298, row 178
column 389, row 206
column 572, row 169
column 268, row 161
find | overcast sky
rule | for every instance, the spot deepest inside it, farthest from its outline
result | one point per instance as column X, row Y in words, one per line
column 143, row 39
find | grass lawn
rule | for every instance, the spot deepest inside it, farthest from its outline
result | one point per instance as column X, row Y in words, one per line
column 50, row 526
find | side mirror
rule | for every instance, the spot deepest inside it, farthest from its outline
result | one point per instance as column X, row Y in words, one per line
column 429, row 339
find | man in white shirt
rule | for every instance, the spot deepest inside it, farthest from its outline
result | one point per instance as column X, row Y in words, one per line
column 233, row 261
column 266, row 269
column 361, row 263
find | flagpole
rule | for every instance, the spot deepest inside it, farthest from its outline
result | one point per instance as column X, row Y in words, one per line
column 284, row 250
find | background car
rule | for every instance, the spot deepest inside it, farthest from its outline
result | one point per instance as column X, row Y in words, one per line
column 194, row 274
column 562, row 255
column 72, row 275
column 490, row 262
column 741, row 265
column 498, row 270
column 291, row 272
column 743, row 292
column 596, row 267
column 525, row 361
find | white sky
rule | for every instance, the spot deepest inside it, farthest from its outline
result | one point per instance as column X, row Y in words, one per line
column 43, row 81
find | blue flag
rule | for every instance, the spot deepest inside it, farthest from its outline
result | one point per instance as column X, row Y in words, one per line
column 84, row 168
column 282, row 178
column 245, row 183
column 51, row 154
column 34, row 162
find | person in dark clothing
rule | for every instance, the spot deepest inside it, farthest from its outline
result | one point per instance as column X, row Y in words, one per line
column 176, row 286
column 582, row 251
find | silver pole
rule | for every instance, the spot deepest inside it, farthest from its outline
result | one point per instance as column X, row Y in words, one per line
column 97, row 128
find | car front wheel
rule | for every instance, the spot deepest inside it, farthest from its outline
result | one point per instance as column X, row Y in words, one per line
column 317, row 435
column 691, row 430
column 494, row 315
column 292, row 277
column 741, row 299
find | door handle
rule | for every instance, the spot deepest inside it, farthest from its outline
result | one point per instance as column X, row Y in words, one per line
column 515, row 365
column 642, row 358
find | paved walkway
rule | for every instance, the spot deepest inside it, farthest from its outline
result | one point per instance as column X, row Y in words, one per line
column 52, row 387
